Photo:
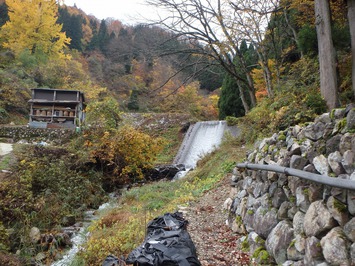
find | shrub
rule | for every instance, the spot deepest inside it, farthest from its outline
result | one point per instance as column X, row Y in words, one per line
column 48, row 185
column 3, row 116
column 103, row 114
column 231, row 120
column 124, row 154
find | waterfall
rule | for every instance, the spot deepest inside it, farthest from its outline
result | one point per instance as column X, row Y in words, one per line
column 201, row 139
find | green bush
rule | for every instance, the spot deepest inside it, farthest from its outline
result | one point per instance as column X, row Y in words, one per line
column 4, row 238
column 49, row 184
column 3, row 116
column 231, row 120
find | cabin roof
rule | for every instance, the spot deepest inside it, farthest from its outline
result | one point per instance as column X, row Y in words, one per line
column 33, row 100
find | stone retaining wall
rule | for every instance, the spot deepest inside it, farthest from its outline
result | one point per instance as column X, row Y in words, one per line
column 17, row 133
column 291, row 221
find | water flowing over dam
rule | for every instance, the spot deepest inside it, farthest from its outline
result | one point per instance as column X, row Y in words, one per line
column 201, row 139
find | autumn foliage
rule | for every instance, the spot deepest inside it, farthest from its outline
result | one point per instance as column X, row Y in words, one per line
column 122, row 154
column 33, row 27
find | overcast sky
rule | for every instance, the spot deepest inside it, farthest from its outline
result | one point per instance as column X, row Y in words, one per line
column 127, row 11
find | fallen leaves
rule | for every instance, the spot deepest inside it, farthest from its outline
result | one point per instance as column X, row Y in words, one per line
column 215, row 242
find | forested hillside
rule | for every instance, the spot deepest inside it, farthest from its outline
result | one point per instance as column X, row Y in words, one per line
column 137, row 65
column 264, row 65
column 163, row 68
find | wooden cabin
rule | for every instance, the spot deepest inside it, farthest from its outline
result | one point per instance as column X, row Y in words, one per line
column 54, row 108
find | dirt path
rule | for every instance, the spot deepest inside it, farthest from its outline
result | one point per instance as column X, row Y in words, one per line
column 215, row 242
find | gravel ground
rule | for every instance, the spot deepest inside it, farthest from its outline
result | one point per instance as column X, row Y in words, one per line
column 215, row 242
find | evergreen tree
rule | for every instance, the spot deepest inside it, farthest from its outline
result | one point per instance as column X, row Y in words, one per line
column 103, row 36
column 4, row 17
column 94, row 42
column 133, row 104
column 72, row 26
column 229, row 103
column 100, row 38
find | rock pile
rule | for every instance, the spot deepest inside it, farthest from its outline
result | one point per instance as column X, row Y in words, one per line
column 291, row 221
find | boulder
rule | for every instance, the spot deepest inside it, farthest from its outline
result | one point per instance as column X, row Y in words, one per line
column 283, row 210
column 348, row 161
column 298, row 221
column 297, row 248
column 321, row 164
column 335, row 162
column 298, row 162
column 313, row 251
column 278, row 198
column 346, row 143
column 352, row 254
column 349, row 229
column 302, row 200
column 335, row 247
column 314, row 131
column 265, row 220
column 279, row 240
column 332, row 144
column 338, row 210
column 255, row 242
column 351, row 197
column 318, row 219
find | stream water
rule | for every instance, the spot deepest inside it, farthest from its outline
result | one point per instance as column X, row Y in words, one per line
column 5, row 148
column 80, row 237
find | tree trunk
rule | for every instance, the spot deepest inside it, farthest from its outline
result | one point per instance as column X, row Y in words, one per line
column 251, row 90
column 242, row 97
column 351, row 18
column 294, row 32
column 326, row 53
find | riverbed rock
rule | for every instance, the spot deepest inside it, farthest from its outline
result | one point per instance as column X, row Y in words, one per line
column 63, row 240
column 35, row 235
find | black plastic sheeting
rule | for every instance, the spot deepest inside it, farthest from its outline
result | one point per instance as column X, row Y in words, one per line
column 167, row 243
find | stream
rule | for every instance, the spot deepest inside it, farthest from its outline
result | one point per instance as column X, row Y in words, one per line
column 201, row 139
column 80, row 236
